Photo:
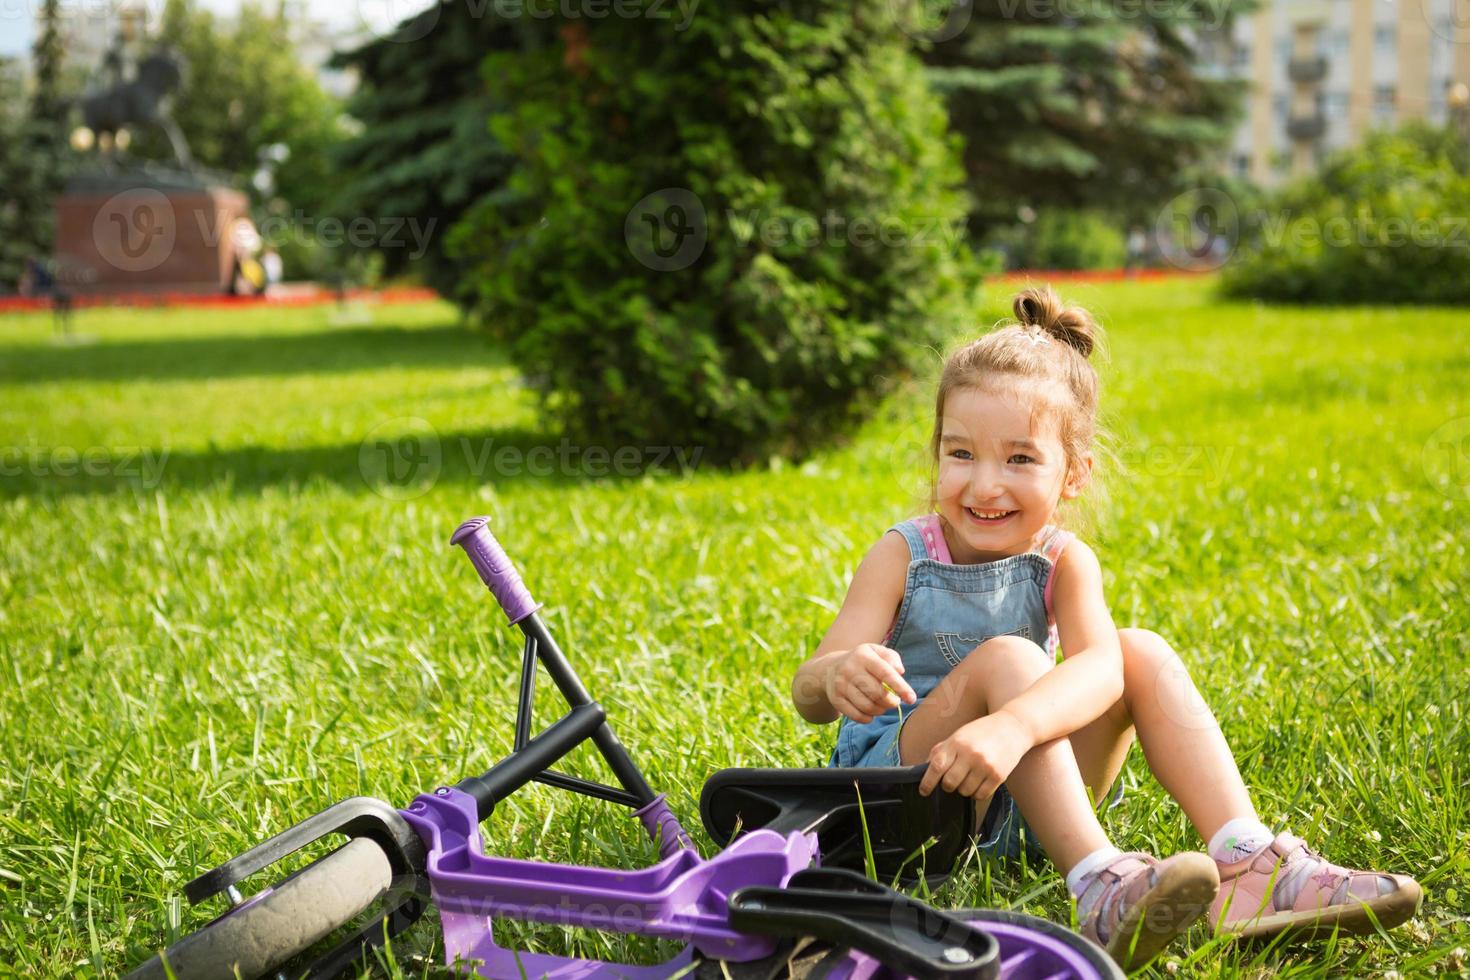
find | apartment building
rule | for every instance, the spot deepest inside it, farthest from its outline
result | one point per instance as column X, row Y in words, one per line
column 1322, row 73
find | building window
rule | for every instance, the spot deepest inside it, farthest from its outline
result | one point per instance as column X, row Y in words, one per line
column 1241, row 163
column 1384, row 98
column 1280, row 105
column 1384, row 39
column 1240, row 55
column 1339, row 47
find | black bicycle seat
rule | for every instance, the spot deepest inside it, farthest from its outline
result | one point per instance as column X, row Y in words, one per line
column 911, row 836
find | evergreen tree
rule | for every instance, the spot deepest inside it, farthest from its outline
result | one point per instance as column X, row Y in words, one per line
column 33, row 155
column 1078, row 104
column 425, row 148
column 47, row 103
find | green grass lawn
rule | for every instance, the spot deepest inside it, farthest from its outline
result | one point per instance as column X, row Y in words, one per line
column 222, row 610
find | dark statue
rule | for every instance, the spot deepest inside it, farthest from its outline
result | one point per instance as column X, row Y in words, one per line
column 133, row 225
column 137, row 101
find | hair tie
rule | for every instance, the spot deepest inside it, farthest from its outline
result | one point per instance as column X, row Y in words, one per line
column 1037, row 336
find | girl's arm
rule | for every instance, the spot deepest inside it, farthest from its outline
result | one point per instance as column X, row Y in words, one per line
column 1090, row 679
column 866, row 613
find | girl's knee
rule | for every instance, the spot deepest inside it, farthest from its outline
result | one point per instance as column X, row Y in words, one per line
column 1146, row 652
column 1010, row 654
column 991, row 674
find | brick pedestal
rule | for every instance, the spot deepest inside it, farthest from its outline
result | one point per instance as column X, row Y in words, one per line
column 145, row 239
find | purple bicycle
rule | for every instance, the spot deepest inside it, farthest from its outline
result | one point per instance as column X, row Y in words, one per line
column 784, row 898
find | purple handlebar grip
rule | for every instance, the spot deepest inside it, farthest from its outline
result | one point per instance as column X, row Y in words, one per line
column 495, row 568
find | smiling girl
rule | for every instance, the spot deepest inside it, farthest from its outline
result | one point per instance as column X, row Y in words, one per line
column 944, row 653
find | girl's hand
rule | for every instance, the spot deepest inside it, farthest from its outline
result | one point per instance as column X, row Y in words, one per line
column 866, row 681
column 978, row 757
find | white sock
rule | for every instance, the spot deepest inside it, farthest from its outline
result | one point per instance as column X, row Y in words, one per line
column 1082, row 874
column 1239, row 838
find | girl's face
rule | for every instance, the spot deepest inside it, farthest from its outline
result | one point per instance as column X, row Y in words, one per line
column 1000, row 478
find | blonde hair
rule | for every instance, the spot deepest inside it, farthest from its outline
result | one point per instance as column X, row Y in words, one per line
column 1046, row 350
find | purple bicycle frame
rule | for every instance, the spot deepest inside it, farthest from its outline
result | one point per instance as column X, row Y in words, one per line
column 683, row 897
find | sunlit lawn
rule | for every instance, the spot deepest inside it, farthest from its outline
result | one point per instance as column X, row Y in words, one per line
column 224, row 608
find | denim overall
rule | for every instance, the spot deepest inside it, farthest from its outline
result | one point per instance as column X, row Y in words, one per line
column 947, row 611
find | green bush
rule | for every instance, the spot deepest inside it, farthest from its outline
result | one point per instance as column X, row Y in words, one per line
column 1060, row 238
column 734, row 232
column 1385, row 223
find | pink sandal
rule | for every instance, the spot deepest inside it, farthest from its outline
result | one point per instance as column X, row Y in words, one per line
column 1142, row 904
column 1331, row 897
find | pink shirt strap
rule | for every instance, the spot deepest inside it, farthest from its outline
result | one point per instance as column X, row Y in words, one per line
column 1051, row 548
column 934, row 541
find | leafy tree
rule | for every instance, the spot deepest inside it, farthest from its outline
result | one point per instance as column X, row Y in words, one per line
column 245, row 89
column 735, row 233
column 1381, row 223
column 425, row 148
column 1077, row 105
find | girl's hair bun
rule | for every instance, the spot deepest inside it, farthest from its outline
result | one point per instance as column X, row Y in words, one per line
column 1040, row 308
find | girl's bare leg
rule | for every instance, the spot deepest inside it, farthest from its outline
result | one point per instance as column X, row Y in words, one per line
column 1046, row 783
column 1181, row 740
